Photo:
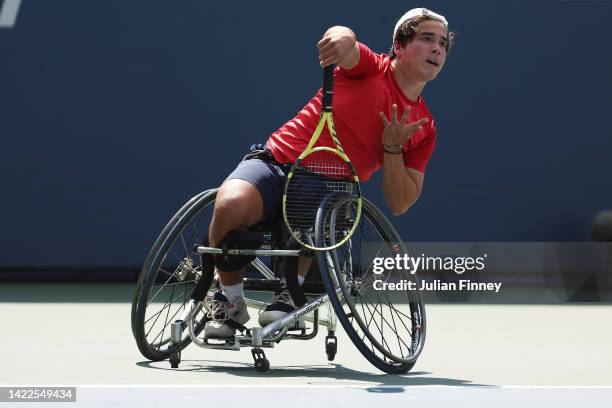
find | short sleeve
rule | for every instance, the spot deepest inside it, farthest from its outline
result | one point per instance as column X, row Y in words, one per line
column 418, row 157
column 369, row 65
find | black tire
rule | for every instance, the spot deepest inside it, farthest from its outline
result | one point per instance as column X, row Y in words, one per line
column 158, row 281
column 331, row 347
column 387, row 328
column 175, row 360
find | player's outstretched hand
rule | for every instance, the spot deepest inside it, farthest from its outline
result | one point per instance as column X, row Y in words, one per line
column 398, row 132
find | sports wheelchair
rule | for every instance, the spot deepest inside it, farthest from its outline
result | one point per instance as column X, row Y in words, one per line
column 170, row 306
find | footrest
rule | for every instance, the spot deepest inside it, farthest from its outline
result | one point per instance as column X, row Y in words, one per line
column 231, row 343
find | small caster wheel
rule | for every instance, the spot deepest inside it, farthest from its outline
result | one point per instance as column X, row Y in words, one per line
column 175, row 359
column 262, row 365
column 331, row 346
column 261, row 362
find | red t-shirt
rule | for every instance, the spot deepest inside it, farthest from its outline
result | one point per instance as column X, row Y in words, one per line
column 359, row 94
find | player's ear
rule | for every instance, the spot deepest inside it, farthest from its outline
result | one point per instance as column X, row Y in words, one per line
column 397, row 48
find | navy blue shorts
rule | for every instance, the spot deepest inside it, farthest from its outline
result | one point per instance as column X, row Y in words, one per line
column 268, row 177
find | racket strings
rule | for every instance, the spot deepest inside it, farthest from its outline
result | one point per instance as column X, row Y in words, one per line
column 319, row 184
column 327, row 169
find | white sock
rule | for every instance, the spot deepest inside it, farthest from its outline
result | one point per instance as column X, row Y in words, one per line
column 233, row 291
column 300, row 278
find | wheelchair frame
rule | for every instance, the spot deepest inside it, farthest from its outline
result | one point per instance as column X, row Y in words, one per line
column 258, row 337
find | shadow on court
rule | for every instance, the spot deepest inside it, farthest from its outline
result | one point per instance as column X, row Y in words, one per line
column 317, row 373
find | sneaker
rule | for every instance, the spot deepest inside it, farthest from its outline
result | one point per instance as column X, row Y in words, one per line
column 282, row 304
column 226, row 316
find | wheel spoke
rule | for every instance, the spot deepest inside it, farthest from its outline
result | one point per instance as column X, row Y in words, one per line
column 392, row 308
column 163, row 295
column 161, row 287
column 176, row 284
column 386, row 322
column 371, row 316
column 171, row 318
column 376, row 324
column 166, row 305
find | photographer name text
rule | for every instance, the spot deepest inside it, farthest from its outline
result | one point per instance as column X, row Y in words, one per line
column 438, row 285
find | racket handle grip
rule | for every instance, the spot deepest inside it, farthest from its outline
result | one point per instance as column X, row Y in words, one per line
column 328, row 87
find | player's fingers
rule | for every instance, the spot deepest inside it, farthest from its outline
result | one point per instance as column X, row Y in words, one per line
column 323, row 42
column 414, row 127
column 330, row 53
column 421, row 122
column 394, row 113
column 405, row 114
column 325, row 52
column 418, row 123
column 384, row 119
column 326, row 49
column 328, row 61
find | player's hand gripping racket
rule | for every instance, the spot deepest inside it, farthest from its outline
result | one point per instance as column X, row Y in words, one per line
column 321, row 177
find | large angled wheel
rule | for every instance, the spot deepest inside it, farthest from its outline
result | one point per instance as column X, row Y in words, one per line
column 168, row 277
column 386, row 326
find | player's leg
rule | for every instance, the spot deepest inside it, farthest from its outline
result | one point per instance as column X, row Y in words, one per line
column 251, row 194
column 238, row 206
column 247, row 197
column 282, row 303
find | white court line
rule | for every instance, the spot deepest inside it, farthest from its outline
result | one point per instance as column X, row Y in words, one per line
column 196, row 386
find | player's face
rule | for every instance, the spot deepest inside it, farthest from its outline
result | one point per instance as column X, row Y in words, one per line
column 424, row 56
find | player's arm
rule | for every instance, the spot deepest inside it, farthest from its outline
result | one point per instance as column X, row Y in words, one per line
column 401, row 185
column 339, row 46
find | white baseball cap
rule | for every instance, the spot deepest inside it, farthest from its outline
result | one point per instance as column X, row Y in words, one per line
column 416, row 12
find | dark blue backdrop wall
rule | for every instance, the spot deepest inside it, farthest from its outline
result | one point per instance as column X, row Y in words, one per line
column 113, row 113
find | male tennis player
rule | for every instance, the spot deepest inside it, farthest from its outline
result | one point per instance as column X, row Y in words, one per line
column 381, row 120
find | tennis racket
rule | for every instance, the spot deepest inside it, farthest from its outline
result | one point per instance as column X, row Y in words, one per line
column 320, row 178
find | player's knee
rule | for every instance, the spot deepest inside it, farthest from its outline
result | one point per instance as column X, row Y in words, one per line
column 238, row 205
column 233, row 211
